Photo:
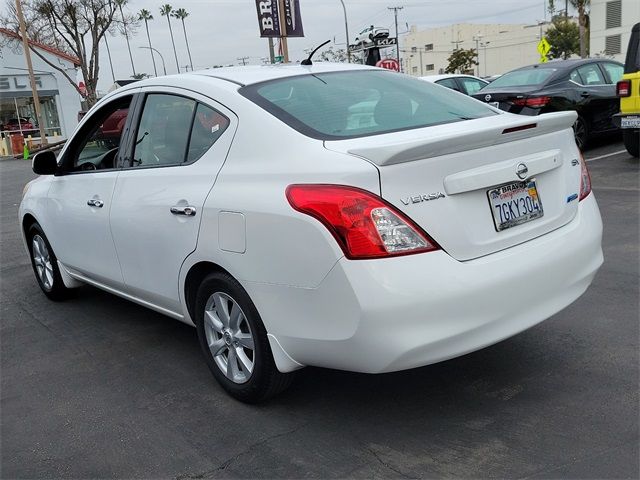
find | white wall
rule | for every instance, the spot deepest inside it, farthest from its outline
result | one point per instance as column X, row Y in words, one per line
column 13, row 66
column 598, row 33
column 502, row 47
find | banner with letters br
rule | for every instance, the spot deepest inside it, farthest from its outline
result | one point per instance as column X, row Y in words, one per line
column 268, row 18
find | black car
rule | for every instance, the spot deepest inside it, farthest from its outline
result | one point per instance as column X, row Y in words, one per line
column 587, row 86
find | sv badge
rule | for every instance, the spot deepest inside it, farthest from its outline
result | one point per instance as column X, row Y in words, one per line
column 422, row 198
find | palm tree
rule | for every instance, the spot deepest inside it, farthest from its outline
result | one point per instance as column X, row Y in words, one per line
column 145, row 15
column 120, row 4
column 181, row 14
column 165, row 11
column 582, row 6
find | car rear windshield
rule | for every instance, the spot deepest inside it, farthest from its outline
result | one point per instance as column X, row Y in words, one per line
column 337, row 105
column 525, row 77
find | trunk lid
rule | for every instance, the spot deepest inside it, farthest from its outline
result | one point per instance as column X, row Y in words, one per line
column 440, row 176
column 503, row 98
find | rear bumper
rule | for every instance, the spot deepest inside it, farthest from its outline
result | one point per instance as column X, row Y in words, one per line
column 617, row 120
column 393, row 314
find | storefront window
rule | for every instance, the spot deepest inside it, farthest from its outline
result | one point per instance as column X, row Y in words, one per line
column 17, row 115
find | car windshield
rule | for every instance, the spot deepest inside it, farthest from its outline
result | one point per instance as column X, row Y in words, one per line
column 523, row 77
column 336, row 105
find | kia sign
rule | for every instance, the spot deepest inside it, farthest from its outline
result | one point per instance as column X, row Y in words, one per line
column 389, row 64
column 268, row 18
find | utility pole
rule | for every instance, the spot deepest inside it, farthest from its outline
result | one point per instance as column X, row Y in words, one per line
column 272, row 58
column 346, row 30
column 243, row 60
column 32, row 79
column 113, row 76
column 477, row 38
column 395, row 14
column 283, row 31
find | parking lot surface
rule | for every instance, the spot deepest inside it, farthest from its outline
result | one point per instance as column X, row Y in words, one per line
column 100, row 387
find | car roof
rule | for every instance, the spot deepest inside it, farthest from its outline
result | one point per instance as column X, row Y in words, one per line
column 563, row 64
column 435, row 78
column 250, row 74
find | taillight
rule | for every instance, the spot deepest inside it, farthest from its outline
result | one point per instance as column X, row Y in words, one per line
column 364, row 225
column 585, row 179
column 535, row 102
column 623, row 88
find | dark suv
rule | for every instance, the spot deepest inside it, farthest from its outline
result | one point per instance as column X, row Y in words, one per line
column 587, row 86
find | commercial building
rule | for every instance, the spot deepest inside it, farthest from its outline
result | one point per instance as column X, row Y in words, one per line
column 501, row 47
column 59, row 100
column 611, row 22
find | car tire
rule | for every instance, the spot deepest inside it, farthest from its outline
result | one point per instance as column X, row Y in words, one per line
column 234, row 341
column 581, row 132
column 45, row 265
column 631, row 139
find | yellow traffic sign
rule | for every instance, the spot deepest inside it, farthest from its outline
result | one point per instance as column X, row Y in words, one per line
column 543, row 47
column 543, row 59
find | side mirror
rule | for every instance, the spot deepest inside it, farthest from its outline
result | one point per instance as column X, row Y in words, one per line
column 45, row 163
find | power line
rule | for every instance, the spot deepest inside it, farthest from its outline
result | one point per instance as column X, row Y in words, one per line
column 243, row 60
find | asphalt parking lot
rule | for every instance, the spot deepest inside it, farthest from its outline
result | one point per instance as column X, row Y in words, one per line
column 100, row 387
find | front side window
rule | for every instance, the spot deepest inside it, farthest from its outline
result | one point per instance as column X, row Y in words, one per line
column 348, row 104
column 100, row 138
column 163, row 133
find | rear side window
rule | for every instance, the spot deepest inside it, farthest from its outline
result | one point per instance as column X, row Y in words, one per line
column 449, row 83
column 471, row 85
column 614, row 71
column 524, row 77
column 336, row 105
column 208, row 125
column 591, row 75
column 163, row 133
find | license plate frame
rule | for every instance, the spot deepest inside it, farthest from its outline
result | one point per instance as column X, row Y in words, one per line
column 630, row 122
column 527, row 204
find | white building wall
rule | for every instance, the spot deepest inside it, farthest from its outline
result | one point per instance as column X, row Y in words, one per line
column 502, row 47
column 13, row 72
column 598, row 34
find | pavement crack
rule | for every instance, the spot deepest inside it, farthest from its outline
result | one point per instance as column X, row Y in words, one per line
column 387, row 465
column 227, row 463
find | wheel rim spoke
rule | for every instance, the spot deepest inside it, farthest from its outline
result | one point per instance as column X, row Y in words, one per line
column 235, row 317
column 246, row 365
column 213, row 322
column 232, row 365
column 217, row 347
column 245, row 340
column 222, row 308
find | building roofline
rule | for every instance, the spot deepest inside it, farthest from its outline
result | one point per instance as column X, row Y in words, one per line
column 74, row 60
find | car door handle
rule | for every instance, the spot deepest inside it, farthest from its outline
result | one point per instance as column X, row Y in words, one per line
column 584, row 94
column 94, row 202
column 187, row 210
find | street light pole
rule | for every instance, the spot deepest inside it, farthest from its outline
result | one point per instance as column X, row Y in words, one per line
column 161, row 58
column 346, row 30
column 477, row 38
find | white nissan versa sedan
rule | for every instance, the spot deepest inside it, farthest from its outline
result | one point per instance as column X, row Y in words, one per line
column 339, row 216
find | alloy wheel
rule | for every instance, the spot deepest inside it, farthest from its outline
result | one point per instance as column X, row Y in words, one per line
column 229, row 337
column 42, row 261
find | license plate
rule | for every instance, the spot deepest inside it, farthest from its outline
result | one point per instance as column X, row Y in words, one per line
column 630, row 122
column 514, row 204
column 495, row 104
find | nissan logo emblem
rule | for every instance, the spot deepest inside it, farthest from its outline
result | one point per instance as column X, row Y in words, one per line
column 522, row 171
column 487, row 97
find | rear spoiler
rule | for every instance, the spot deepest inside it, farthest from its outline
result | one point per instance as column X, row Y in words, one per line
column 418, row 144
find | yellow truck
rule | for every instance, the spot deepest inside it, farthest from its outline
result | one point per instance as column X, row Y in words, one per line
column 628, row 89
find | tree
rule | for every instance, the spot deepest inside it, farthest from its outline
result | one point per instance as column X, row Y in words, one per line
column 462, row 61
column 564, row 38
column 145, row 15
column 181, row 14
column 582, row 6
column 120, row 4
column 331, row 55
column 76, row 27
column 165, row 11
